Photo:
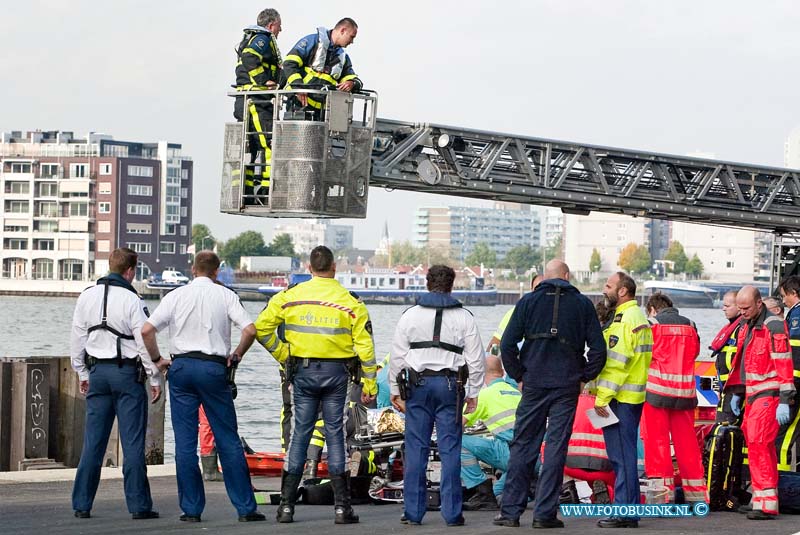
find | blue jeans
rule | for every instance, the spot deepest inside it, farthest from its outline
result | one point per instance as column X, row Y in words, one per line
column 192, row 382
column 113, row 391
column 434, row 400
column 492, row 451
column 555, row 408
column 621, row 444
column 321, row 383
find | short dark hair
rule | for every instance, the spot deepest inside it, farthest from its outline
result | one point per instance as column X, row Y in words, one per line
column 604, row 313
column 206, row 262
column 791, row 285
column 347, row 21
column 321, row 259
column 122, row 259
column 440, row 278
column 627, row 282
column 267, row 16
column 658, row 302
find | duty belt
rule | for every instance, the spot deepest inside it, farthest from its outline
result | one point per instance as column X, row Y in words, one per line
column 197, row 355
column 432, row 373
column 91, row 361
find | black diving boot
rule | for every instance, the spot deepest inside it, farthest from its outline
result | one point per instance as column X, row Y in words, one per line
column 289, row 485
column 343, row 513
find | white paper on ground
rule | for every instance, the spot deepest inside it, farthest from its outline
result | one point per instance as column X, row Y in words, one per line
column 598, row 422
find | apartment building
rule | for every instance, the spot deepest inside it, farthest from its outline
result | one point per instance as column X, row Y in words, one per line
column 503, row 227
column 68, row 202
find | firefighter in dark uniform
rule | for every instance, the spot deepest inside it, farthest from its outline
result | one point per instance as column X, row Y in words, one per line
column 319, row 61
column 257, row 69
column 790, row 431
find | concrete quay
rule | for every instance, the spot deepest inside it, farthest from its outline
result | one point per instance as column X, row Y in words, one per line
column 38, row 502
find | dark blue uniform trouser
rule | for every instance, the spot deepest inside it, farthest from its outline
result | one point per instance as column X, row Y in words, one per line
column 434, row 400
column 192, row 382
column 539, row 407
column 113, row 391
column 321, row 383
column 621, row 443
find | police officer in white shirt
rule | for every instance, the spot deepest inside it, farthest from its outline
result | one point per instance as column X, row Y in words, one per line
column 199, row 317
column 106, row 327
column 438, row 352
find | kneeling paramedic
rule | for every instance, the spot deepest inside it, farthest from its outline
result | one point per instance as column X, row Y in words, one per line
column 437, row 360
column 497, row 406
column 328, row 336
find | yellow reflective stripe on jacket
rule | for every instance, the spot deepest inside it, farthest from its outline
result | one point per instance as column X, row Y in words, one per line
column 348, row 77
column 293, row 78
column 311, row 73
column 295, row 59
column 625, row 374
column 252, row 51
column 323, row 320
column 795, row 342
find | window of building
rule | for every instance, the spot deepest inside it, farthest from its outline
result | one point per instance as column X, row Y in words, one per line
column 78, row 209
column 104, row 207
column 105, row 168
column 16, row 244
column 44, row 244
column 20, row 167
column 139, row 228
column 352, row 281
column 48, row 170
column 78, row 170
column 45, row 226
column 182, row 248
column 184, row 193
column 104, row 188
column 42, row 268
column 139, row 247
column 19, row 188
column 17, row 207
column 184, row 174
column 729, row 265
column 103, row 246
column 167, row 247
column 184, row 211
column 169, row 230
column 183, row 230
column 140, row 209
column 140, row 190
column 104, row 227
column 140, row 170
column 48, row 189
column 15, row 228
column 47, row 209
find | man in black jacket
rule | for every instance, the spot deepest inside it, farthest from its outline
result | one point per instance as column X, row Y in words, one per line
column 557, row 323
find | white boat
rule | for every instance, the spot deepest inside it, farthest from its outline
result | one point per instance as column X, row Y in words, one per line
column 683, row 294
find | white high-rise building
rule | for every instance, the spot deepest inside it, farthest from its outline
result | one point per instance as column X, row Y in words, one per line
column 608, row 233
column 791, row 150
column 552, row 226
column 309, row 233
column 727, row 254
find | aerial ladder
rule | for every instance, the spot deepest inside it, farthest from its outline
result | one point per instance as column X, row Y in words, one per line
column 323, row 164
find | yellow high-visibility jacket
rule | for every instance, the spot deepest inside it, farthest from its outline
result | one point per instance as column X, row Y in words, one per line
column 630, row 348
column 321, row 320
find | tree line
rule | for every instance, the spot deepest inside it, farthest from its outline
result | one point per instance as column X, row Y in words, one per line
column 248, row 243
column 636, row 259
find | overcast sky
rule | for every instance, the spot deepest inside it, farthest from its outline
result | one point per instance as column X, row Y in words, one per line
column 719, row 77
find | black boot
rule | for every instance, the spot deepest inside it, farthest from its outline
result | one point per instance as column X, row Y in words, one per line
column 343, row 513
column 483, row 499
column 289, row 484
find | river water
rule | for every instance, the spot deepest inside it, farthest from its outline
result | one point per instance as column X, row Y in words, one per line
column 40, row 326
